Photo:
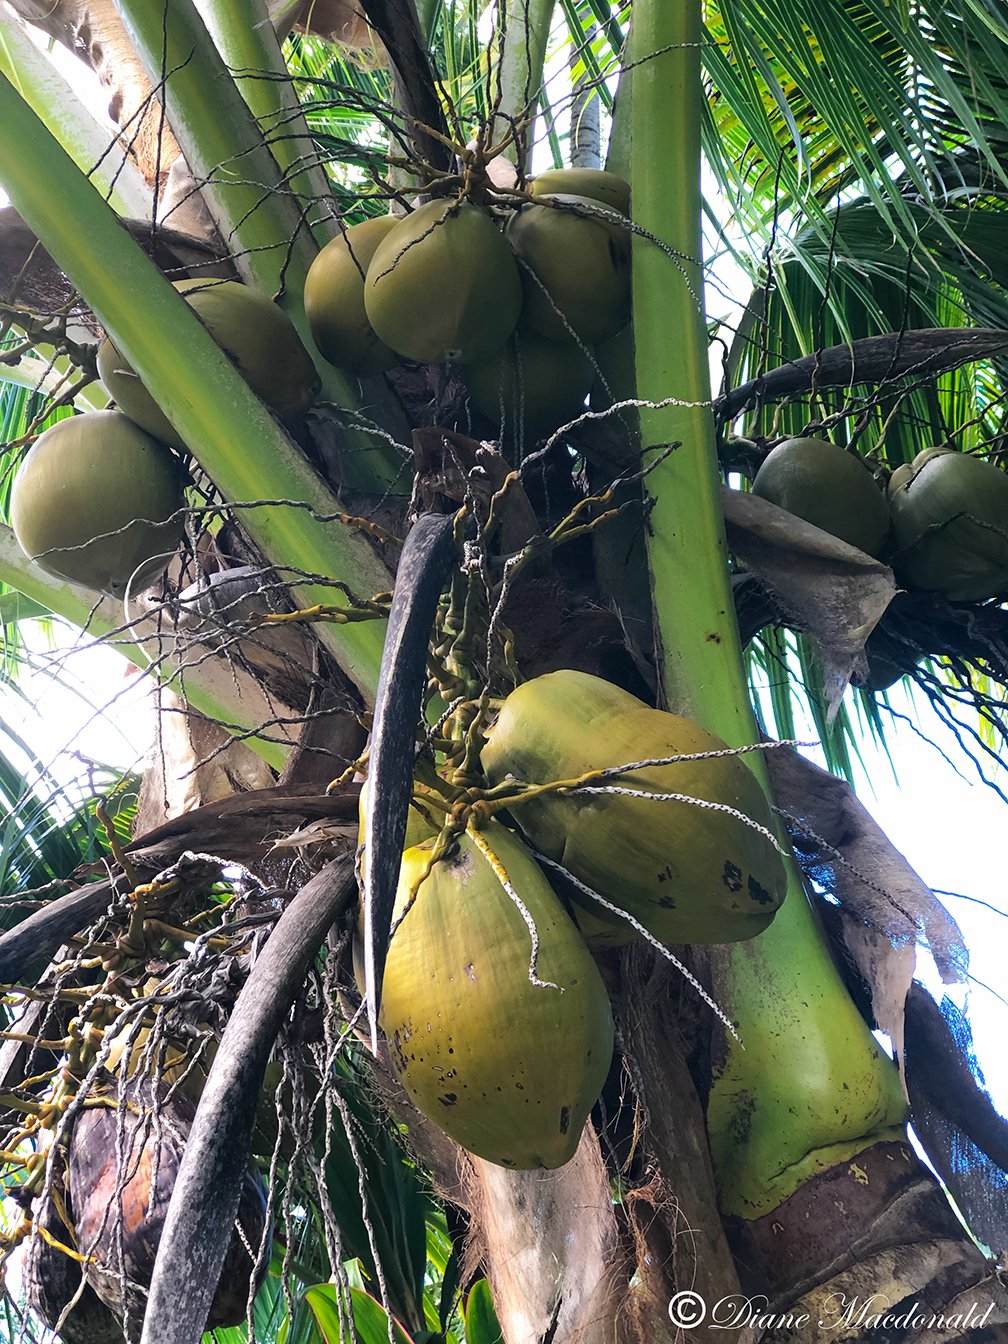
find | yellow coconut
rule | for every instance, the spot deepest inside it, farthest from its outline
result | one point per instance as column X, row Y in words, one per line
column 507, row 1067
column 687, row 871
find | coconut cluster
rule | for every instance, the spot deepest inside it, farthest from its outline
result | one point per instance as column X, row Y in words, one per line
column 99, row 498
column 942, row 523
column 503, row 1042
column 517, row 296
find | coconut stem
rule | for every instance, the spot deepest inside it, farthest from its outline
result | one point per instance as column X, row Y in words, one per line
column 809, row 1084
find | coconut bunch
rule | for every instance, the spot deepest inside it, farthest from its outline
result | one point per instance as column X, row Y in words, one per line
column 516, row 290
column 495, row 1013
column 942, row 523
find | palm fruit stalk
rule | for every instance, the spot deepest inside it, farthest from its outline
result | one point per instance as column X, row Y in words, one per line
column 496, row 1017
column 256, row 208
column 695, row 862
column 241, row 446
column 255, row 334
column 811, row 1087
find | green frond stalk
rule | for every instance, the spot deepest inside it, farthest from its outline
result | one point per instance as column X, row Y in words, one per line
column 248, row 44
column 809, row 1085
column 89, row 143
column 523, row 33
column 239, row 444
column 260, row 214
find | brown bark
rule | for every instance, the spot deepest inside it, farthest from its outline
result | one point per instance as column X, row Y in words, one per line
column 870, row 1250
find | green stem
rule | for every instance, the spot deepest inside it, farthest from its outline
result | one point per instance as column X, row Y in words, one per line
column 248, row 43
column 526, row 29
column 237, row 441
column 211, row 686
column 810, row 1085
column 91, row 145
column 258, row 213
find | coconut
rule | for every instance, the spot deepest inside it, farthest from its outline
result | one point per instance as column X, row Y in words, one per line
column 334, row 299
column 687, row 872
column 508, row 1068
column 255, row 335
column 94, row 501
column 575, row 268
column 536, row 383
column 443, row 285
column 594, row 183
column 123, row 1165
column 950, row 525
column 829, row 487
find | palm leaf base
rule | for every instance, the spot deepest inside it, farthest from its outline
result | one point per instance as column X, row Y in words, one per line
column 870, row 1249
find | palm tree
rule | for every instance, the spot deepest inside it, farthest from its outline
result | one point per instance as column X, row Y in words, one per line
column 750, row 1144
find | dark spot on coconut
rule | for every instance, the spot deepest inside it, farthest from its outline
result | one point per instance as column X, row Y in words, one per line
column 520, row 1087
column 758, row 893
column 713, row 638
column 449, row 1099
column 732, row 876
column 666, row 902
column 564, row 1119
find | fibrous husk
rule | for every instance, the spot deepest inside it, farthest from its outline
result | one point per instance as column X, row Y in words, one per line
column 884, row 908
column 828, row 487
column 443, row 285
column 123, row 1163
column 701, row 868
column 94, row 499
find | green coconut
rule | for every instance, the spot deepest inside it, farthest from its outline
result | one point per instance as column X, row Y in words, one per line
column 443, row 285
column 94, row 501
column 334, row 299
column 508, row 1068
column 950, row 525
column 594, row 183
column 575, row 268
column 828, row 487
column 253, row 332
column 686, row 873
column 538, row 384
